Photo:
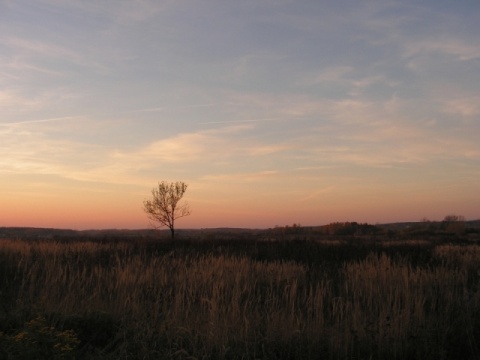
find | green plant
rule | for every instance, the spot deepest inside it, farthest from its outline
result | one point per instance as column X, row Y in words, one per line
column 38, row 340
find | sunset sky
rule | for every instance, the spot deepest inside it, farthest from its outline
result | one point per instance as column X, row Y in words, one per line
column 273, row 111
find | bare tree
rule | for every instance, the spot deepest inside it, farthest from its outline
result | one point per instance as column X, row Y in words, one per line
column 454, row 218
column 164, row 207
column 455, row 224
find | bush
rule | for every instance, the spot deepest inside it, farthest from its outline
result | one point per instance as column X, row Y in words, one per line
column 39, row 340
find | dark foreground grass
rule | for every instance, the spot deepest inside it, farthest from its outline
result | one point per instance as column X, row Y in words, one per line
column 239, row 300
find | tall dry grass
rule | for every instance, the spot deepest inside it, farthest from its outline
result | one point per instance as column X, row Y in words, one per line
column 218, row 306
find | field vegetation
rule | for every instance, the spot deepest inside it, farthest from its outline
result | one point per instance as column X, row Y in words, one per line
column 282, row 295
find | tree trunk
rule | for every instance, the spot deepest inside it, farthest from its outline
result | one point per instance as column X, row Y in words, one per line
column 172, row 231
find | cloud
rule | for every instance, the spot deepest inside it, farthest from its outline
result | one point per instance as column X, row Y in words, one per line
column 273, row 107
column 121, row 11
column 28, row 54
column 457, row 48
column 201, row 146
column 181, row 148
column 16, row 66
column 267, row 149
column 467, row 107
column 40, row 147
column 332, row 74
column 356, row 131
column 30, row 153
column 240, row 121
column 26, row 152
column 36, row 121
column 241, row 177
column 10, row 99
column 254, row 65
column 165, row 108
column 36, row 152
column 314, row 194
column 38, row 47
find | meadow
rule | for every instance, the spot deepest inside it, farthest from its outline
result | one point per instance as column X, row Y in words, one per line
column 295, row 298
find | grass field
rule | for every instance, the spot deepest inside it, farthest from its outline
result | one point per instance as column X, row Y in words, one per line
column 239, row 299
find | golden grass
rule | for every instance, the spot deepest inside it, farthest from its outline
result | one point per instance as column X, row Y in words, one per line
column 219, row 306
column 409, row 242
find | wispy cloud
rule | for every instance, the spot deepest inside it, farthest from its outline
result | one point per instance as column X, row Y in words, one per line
column 122, row 11
column 296, row 101
column 29, row 52
column 16, row 66
column 318, row 193
column 28, row 152
column 241, row 177
column 267, row 149
column 466, row 107
column 458, row 49
column 186, row 147
column 328, row 76
column 11, row 99
column 170, row 108
column 36, row 121
column 241, row 121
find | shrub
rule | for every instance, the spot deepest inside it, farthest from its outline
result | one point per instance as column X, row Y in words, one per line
column 38, row 340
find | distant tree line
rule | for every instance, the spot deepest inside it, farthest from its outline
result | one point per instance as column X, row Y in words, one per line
column 452, row 226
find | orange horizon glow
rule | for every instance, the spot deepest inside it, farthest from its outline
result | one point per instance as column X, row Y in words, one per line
column 91, row 211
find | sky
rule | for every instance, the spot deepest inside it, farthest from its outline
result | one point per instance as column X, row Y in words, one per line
column 273, row 112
